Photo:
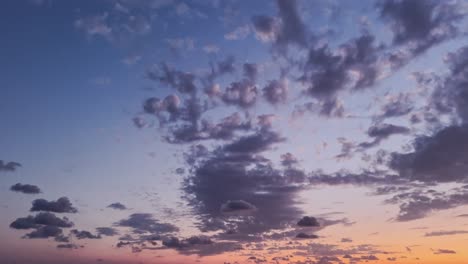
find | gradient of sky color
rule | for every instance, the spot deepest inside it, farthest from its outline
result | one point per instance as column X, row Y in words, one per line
column 209, row 131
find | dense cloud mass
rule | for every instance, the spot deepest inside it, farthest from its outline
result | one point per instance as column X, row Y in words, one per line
column 437, row 158
column 225, row 175
column 421, row 24
column 62, row 205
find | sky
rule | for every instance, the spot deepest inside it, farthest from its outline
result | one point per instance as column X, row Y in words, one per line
column 229, row 131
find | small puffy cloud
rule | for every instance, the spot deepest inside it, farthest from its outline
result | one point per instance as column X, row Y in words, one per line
column 237, row 206
column 288, row 160
column 9, row 166
column 68, row 246
column 25, row 188
column 266, row 28
column 308, row 221
column 62, row 205
column 242, row 94
column 306, row 236
column 43, row 218
column 82, row 234
column 171, row 242
column 117, row 206
column 266, row 121
column 369, row 258
column 276, row 91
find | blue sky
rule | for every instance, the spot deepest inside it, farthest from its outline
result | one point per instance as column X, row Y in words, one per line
column 218, row 126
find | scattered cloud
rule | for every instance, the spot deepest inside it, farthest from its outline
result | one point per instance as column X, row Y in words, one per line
column 25, row 188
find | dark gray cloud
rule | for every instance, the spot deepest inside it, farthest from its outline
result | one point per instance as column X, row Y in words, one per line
column 68, row 246
column 174, row 242
column 254, row 143
column 418, row 204
column 306, row 236
column 225, row 66
column 83, row 234
column 390, row 189
column 440, row 157
column 450, row 94
column 444, row 251
column 139, row 122
column 183, row 82
column 292, row 28
column 145, row 223
column 9, row 166
column 235, row 171
column 25, row 188
column 43, row 218
column 308, row 221
column 326, row 72
column 224, row 129
column 421, row 24
column 62, row 205
column 250, row 71
column 329, row 107
column 369, row 257
column 445, row 233
column 276, row 91
column 240, row 93
column 237, row 206
column 364, row 178
column 396, row 106
column 45, row 232
column 107, row 231
column 288, row 160
column 266, row 27
column 170, row 104
column 284, row 30
column 117, row 206
column 381, row 132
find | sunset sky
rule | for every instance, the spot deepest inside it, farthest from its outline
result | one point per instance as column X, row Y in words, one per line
column 234, row 131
